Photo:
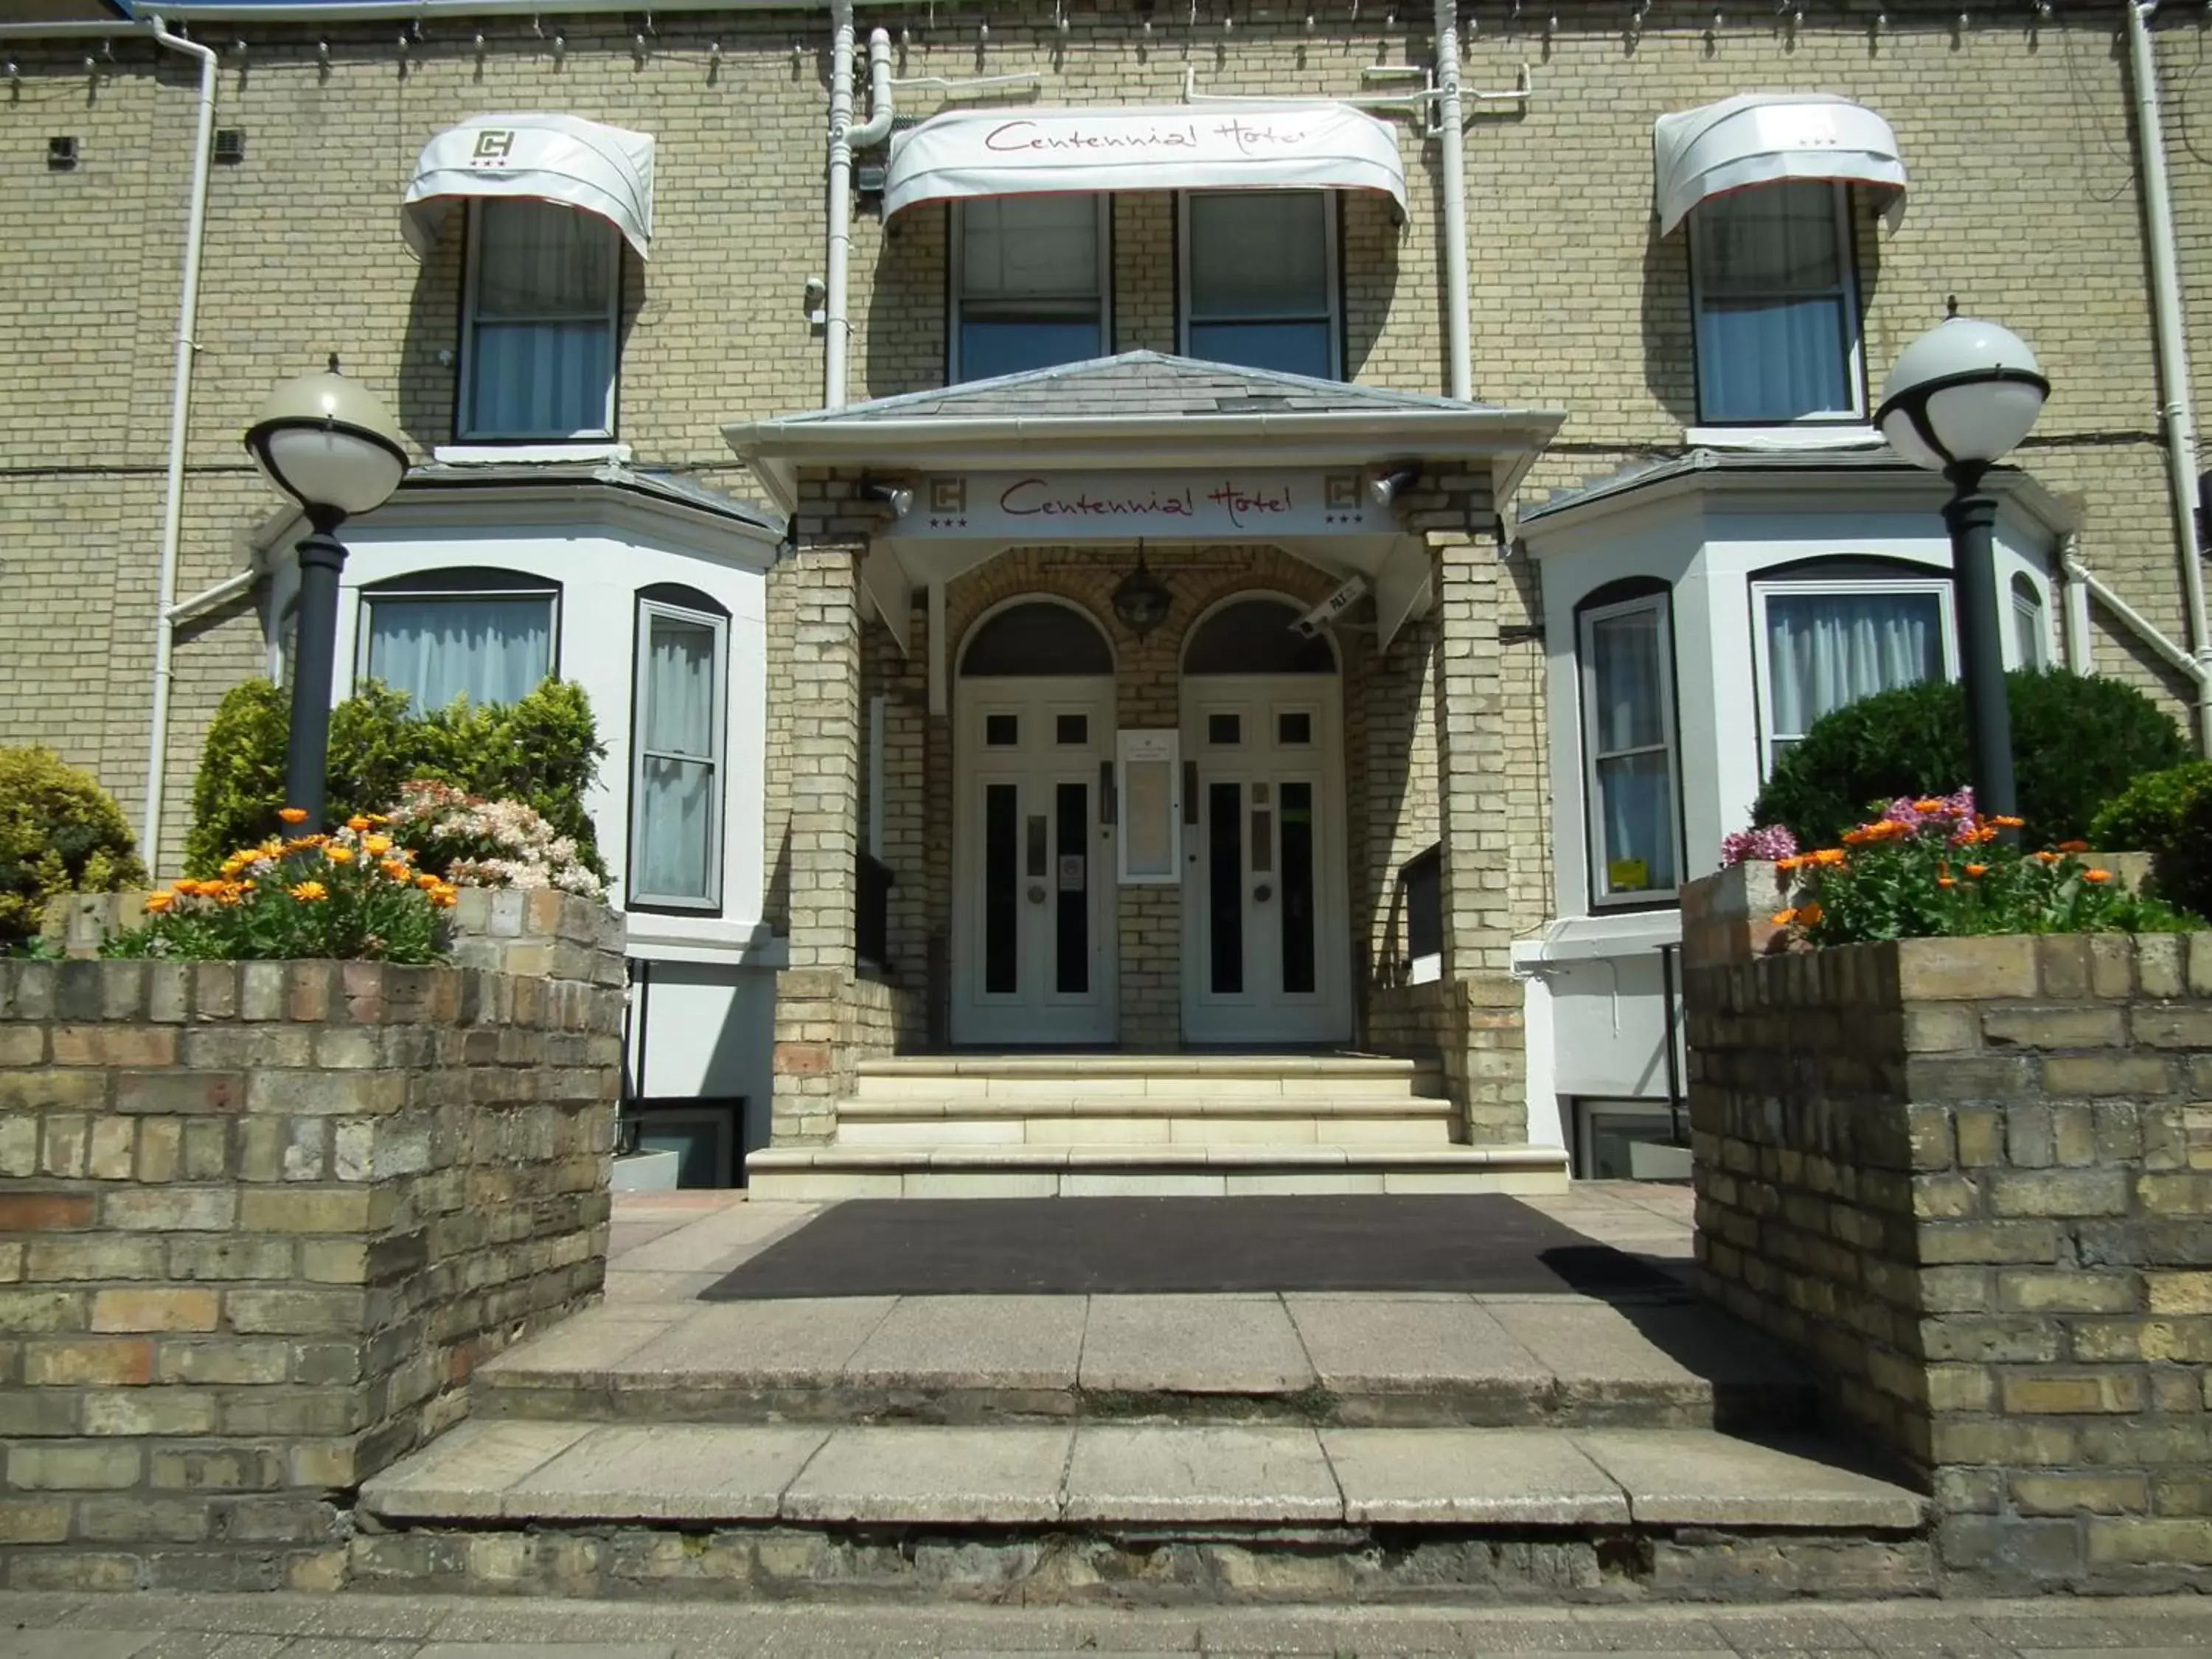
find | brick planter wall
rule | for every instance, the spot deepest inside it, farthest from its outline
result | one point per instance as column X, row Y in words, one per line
column 1971, row 1179
column 259, row 1221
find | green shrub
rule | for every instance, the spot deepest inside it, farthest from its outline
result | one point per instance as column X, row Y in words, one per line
column 540, row 751
column 2077, row 742
column 2168, row 815
column 60, row 832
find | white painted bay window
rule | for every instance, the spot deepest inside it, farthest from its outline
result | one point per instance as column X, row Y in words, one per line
column 1823, row 644
column 489, row 635
column 676, row 792
column 1628, row 741
column 1259, row 287
column 1029, row 283
column 540, row 325
column 1777, row 310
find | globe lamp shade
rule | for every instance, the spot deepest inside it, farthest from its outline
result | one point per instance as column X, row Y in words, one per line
column 1966, row 392
column 330, row 444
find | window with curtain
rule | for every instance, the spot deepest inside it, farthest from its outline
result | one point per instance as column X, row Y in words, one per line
column 1029, row 283
column 484, row 635
column 1778, row 323
column 676, row 793
column 2031, row 634
column 1821, row 647
column 1260, row 279
column 1628, row 737
column 544, row 290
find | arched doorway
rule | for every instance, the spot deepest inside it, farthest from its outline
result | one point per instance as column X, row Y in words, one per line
column 1266, row 950
column 1033, row 953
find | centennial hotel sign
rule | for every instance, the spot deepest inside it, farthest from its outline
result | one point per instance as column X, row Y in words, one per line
column 1220, row 505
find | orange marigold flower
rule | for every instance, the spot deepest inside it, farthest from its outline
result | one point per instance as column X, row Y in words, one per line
column 2046, row 858
column 376, row 846
column 1830, row 856
column 1784, row 918
column 396, row 870
column 1947, row 881
column 293, row 814
column 2073, row 846
column 1788, row 864
column 232, row 895
column 1810, row 914
column 339, row 855
column 1858, row 837
column 377, row 818
column 2004, row 822
column 308, row 892
column 248, row 884
column 2098, row 876
column 427, row 882
column 157, row 902
column 1977, row 869
column 1928, row 803
column 356, row 824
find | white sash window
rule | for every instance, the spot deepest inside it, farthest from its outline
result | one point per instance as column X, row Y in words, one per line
column 1628, row 738
column 675, row 794
column 1778, row 321
column 539, row 340
column 1027, row 284
column 1823, row 644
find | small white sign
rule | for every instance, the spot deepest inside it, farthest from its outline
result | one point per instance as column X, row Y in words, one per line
column 1148, row 807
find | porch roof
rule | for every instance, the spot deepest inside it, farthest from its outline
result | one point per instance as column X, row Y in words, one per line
column 1145, row 408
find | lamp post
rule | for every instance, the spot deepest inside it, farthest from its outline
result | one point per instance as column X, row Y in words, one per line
column 1957, row 401
column 330, row 445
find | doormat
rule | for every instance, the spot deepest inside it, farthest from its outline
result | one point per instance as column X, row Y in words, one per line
column 1479, row 1243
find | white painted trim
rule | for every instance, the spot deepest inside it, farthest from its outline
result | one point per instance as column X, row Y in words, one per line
column 649, row 611
column 1586, row 655
column 488, row 454
column 1333, row 277
column 1812, row 434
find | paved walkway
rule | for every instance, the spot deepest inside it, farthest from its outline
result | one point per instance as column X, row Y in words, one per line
column 416, row 1627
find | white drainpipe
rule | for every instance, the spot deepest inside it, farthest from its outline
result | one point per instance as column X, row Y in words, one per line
column 1452, row 136
column 845, row 138
column 2175, row 385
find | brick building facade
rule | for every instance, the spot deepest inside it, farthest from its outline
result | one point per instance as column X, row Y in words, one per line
column 1519, row 966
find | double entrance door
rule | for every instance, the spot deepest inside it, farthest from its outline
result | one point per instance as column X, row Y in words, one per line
column 1265, row 945
column 1033, row 914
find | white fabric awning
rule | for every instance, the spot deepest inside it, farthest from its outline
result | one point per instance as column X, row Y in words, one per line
column 1033, row 152
column 1767, row 137
column 602, row 170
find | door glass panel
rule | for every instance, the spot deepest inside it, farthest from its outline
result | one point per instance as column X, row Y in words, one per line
column 1071, row 728
column 1298, row 888
column 1038, row 853
column 1263, row 839
column 1072, row 806
column 1001, row 880
column 1002, row 731
column 1224, row 822
column 1224, row 730
column 1293, row 729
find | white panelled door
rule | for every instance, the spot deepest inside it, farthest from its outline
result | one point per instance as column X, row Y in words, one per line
column 1033, row 894
column 1265, row 912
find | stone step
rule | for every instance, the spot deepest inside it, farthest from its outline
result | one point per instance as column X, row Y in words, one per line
column 910, row 1078
column 1143, row 1120
column 845, row 1170
column 1647, row 1361
column 1069, row 1512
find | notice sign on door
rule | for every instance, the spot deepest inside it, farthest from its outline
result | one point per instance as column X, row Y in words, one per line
column 1071, row 872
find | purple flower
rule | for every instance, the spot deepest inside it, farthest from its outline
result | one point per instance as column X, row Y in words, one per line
column 1766, row 842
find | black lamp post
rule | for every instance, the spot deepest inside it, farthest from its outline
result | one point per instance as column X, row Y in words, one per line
column 328, row 443
column 1959, row 399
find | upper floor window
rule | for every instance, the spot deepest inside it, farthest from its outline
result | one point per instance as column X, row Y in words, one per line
column 1029, row 285
column 1260, row 286
column 1628, row 744
column 484, row 634
column 1778, row 320
column 676, row 791
column 1823, row 644
column 539, row 331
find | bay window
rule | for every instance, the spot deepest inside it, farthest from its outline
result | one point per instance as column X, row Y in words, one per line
column 679, row 718
column 1028, row 288
column 2031, row 632
column 1823, row 644
column 1259, row 287
column 1777, row 310
column 485, row 635
column 538, row 334
column 1628, row 739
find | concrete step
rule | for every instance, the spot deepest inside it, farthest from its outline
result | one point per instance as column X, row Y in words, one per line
column 1051, row 1078
column 1121, row 1169
column 1144, row 1120
column 1108, row 1510
column 1341, row 1359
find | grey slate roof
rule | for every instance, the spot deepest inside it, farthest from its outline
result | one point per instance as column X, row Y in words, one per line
column 666, row 486
column 1136, row 383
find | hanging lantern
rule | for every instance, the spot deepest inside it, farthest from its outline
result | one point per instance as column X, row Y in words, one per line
column 1142, row 600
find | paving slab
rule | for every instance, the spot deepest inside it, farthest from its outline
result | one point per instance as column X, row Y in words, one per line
column 668, row 1472
column 717, row 1241
column 1193, row 1345
column 799, row 1341
column 1401, row 1345
column 543, row 1651
column 1156, row 1473
column 973, row 1342
column 1589, row 1342
column 589, row 1345
column 463, row 1474
column 1686, row 1478
column 75, row 1644
column 1482, row 1475
column 1003, row 1475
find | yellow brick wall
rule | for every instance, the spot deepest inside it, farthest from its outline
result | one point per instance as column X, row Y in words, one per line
column 2023, row 203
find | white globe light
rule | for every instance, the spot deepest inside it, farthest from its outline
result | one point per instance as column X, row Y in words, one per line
column 1966, row 391
column 330, row 444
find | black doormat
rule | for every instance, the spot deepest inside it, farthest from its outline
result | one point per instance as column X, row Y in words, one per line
column 1485, row 1243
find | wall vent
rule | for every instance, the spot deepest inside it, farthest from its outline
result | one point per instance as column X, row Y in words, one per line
column 61, row 154
column 229, row 147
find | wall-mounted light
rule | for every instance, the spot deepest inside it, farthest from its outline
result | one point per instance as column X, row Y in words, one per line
column 897, row 496
column 1142, row 601
column 1386, row 487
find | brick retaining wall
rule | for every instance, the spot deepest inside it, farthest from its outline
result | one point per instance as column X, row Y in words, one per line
column 260, row 1221
column 1971, row 1179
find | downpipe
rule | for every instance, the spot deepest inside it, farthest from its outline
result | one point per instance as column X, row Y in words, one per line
column 845, row 138
column 1450, row 135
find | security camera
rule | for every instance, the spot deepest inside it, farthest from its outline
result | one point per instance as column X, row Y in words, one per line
column 1348, row 593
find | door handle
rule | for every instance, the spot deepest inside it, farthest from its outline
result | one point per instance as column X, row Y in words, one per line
column 1036, row 892
column 1262, row 893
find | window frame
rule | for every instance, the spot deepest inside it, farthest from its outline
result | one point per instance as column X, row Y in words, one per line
column 464, row 429
column 2029, row 610
column 1659, row 599
column 955, row 277
column 450, row 582
column 686, row 605
column 1332, row 267
column 1764, row 589
column 1847, row 291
